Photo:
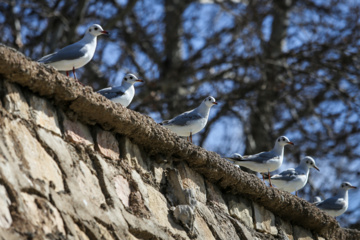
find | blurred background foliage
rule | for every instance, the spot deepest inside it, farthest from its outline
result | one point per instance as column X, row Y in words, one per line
column 284, row 67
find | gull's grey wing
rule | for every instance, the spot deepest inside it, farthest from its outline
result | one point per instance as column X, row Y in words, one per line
column 71, row 52
column 333, row 203
column 260, row 157
column 112, row 92
column 287, row 175
column 183, row 119
column 235, row 158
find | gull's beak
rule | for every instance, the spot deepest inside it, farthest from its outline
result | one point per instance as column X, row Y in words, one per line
column 291, row 143
column 215, row 103
column 353, row 187
column 317, row 168
column 105, row 32
column 139, row 80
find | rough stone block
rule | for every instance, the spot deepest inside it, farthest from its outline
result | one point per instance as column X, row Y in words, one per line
column 11, row 235
column 302, row 234
column 160, row 211
column 104, row 233
column 158, row 171
column 88, row 184
column 222, row 229
column 286, row 229
column 264, row 220
column 42, row 214
column 192, row 180
column 184, row 214
column 80, row 234
column 34, row 158
column 122, row 189
column 131, row 152
column 10, row 164
column 240, row 208
column 243, row 231
column 175, row 189
column 215, row 196
column 107, row 144
column 202, row 229
column 141, row 187
column 77, row 132
column 44, row 114
column 5, row 216
column 58, row 145
column 15, row 102
column 143, row 228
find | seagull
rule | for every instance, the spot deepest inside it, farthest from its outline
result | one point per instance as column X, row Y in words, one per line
column 77, row 54
column 123, row 94
column 335, row 206
column 191, row 122
column 292, row 179
column 265, row 161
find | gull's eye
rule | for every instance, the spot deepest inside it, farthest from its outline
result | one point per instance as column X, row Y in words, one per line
column 125, row 79
column 131, row 77
column 307, row 161
column 209, row 99
column 279, row 140
column 96, row 29
column 283, row 139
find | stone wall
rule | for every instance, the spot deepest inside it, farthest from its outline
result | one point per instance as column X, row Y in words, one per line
column 74, row 165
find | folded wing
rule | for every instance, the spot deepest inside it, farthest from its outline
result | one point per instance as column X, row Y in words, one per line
column 71, row 52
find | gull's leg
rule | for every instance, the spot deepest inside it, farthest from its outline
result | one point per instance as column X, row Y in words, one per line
column 263, row 177
column 74, row 73
column 190, row 136
column 67, row 73
column 269, row 179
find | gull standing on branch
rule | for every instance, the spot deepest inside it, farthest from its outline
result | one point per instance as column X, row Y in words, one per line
column 292, row 179
column 335, row 206
column 77, row 54
column 265, row 161
column 191, row 122
column 123, row 94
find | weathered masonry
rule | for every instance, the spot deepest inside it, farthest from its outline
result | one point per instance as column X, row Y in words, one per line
column 74, row 165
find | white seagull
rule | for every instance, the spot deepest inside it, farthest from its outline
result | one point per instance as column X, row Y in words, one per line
column 191, row 122
column 335, row 206
column 292, row 179
column 124, row 93
column 265, row 161
column 77, row 54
